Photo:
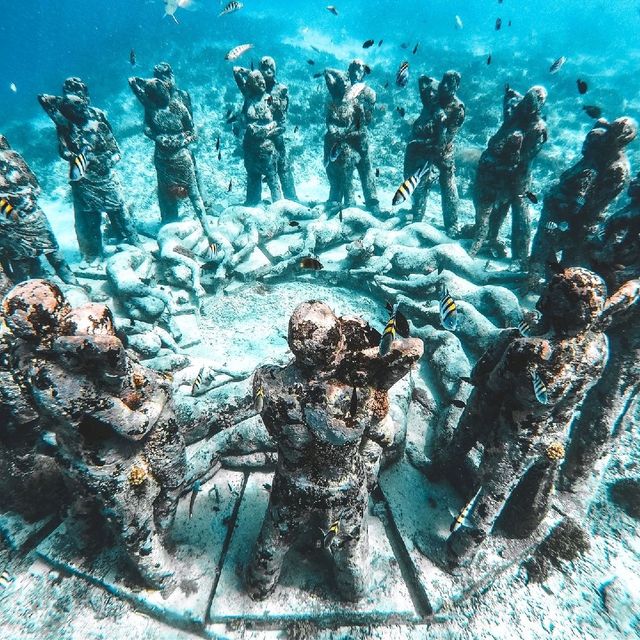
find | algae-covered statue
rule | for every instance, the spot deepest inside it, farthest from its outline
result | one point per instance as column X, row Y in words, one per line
column 328, row 413
column 526, row 390
column 344, row 116
column 259, row 144
column 86, row 142
column 116, row 436
column 503, row 179
column 25, row 233
column 279, row 94
column 169, row 124
column 366, row 98
column 575, row 206
column 616, row 256
column 432, row 143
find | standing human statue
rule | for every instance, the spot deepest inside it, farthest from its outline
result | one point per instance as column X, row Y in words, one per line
column 25, row 232
column 328, row 413
column 615, row 256
column 279, row 94
column 432, row 142
column 498, row 186
column 168, row 123
column 341, row 157
column 575, row 206
column 85, row 139
column 259, row 142
column 526, row 390
column 366, row 99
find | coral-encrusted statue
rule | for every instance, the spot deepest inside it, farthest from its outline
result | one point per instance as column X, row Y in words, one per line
column 328, row 412
column 526, row 391
column 118, row 442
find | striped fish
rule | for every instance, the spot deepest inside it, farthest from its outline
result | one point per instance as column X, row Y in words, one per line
column 78, row 166
column 409, row 185
column 212, row 251
column 258, row 402
column 5, row 580
column 389, row 333
column 236, row 52
column 524, row 328
column 448, row 311
column 539, row 388
column 329, row 537
column 465, row 512
column 203, row 382
column 8, row 209
column 402, row 77
column 230, row 8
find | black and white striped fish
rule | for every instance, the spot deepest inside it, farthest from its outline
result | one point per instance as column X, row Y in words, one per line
column 463, row 516
column 203, row 382
column 448, row 310
column 409, row 185
column 402, row 77
column 524, row 328
column 78, row 166
column 539, row 388
column 5, row 580
column 389, row 333
column 231, row 7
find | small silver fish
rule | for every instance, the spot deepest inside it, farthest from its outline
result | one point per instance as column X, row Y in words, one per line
column 463, row 516
column 458, row 22
column 448, row 311
column 539, row 388
column 236, row 52
column 557, row 65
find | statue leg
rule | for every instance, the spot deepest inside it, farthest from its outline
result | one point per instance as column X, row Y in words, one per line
column 520, row 229
column 351, row 553
column 590, row 436
column 449, row 192
column 367, row 179
column 89, row 233
column 285, row 170
column 496, row 220
column 273, row 543
column 61, row 267
column 273, row 181
column 123, row 226
column 168, row 204
column 254, row 188
column 483, row 215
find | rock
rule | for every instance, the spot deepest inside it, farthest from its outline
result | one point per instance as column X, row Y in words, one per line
column 621, row 600
column 146, row 344
column 625, row 494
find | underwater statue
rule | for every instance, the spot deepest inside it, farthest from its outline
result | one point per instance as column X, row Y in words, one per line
column 432, row 143
column 366, row 98
column 328, row 413
column 116, row 436
column 576, row 205
column 25, row 232
column 130, row 274
column 259, row 142
column 279, row 94
column 86, row 142
column 168, row 123
column 344, row 117
column 503, row 178
column 525, row 392
column 617, row 258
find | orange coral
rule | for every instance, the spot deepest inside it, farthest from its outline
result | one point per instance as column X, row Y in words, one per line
column 555, row 451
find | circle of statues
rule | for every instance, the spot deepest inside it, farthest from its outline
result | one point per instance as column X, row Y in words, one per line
column 84, row 417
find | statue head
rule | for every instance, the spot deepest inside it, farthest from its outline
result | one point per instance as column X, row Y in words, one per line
column 622, row 131
column 75, row 87
column 315, row 335
column 163, row 71
column 33, row 311
column 158, row 92
column 572, row 301
column 75, row 108
column 428, row 88
column 357, row 70
column 449, row 85
column 533, row 100
column 268, row 69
